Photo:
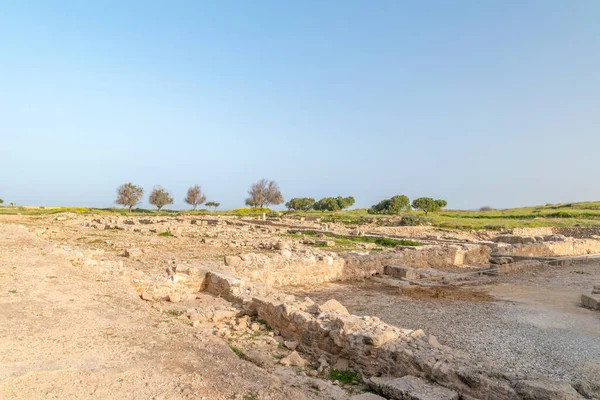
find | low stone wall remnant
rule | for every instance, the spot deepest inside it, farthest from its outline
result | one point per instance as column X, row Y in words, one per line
column 375, row 348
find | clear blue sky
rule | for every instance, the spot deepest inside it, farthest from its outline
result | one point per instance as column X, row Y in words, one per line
column 477, row 102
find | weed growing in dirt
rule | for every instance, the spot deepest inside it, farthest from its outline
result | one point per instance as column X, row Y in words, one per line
column 175, row 313
column 166, row 234
column 348, row 377
column 237, row 351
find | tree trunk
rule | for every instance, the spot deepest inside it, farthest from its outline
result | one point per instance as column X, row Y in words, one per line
column 130, row 207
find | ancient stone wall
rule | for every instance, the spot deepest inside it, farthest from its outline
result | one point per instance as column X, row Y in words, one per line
column 432, row 256
column 375, row 348
column 574, row 232
column 542, row 231
column 579, row 233
column 309, row 267
column 574, row 247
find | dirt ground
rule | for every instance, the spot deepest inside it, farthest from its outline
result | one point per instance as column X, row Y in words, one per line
column 77, row 332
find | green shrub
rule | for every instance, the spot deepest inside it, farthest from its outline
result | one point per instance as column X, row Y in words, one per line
column 347, row 377
column 413, row 220
column 395, row 205
column 300, row 203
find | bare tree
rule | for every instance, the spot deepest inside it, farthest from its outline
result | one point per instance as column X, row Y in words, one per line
column 264, row 193
column 194, row 196
column 160, row 197
column 129, row 195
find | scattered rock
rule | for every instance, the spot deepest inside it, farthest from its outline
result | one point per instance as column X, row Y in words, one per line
column 366, row 396
column 501, row 260
column 233, row 261
column 293, row 360
column 411, row 387
column 333, row 306
column 546, row 389
column 292, row 345
column 341, row 364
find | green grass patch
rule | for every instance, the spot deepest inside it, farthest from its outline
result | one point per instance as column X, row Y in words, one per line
column 175, row 313
column 237, row 352
column 166, row 234
column 347, row 377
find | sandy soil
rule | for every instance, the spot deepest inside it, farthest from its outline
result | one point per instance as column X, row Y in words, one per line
column 75, row 332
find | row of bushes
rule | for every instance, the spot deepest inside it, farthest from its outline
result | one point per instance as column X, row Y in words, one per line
column 325, row 204
column 401, row 203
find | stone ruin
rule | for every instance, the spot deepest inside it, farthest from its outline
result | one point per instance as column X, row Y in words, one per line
column 400, row 363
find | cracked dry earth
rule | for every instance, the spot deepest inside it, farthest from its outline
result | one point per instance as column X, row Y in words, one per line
column 73, row 333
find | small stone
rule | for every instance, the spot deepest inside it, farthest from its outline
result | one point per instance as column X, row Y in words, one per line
column 255, row 327
column 417, row 333
column 147, row 296
column 294, row 360
column 292, row 345
column 341, row 364
column 175, row 297
column 233, row 261
column 333, row 306
column 433, row 341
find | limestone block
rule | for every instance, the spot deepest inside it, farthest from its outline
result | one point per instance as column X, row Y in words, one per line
column 413, row 388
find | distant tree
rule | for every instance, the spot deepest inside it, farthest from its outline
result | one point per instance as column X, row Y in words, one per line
column 345, row 202
column 300, row 203
column 327, row 204
column 427, row 204
column 486, row 208
column 398, row 204
column 12, row 204
column 395, row 205
column 334, row 203
column 129, row 195
column 160, row 197
column 194, row 196
column 1, row 201
column 264, row 193
column 213, row 204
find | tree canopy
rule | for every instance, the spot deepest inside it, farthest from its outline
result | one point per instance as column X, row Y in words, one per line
column 160, row 197
column 300, row 203
column 395, row 205
column 334, row 203
column 194, row 196
column 264, row 193
column 213, row 204
column 129, row 195
column 427, row 204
